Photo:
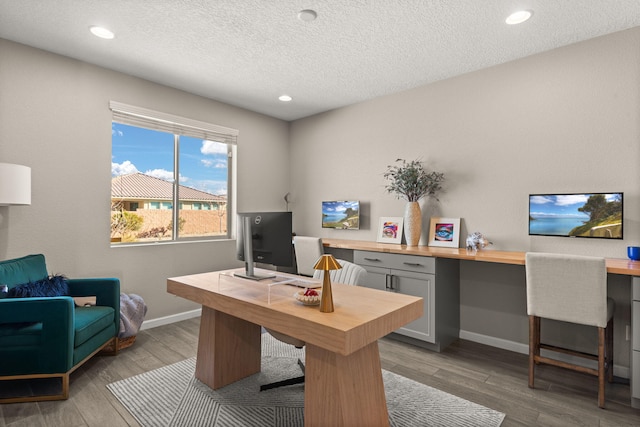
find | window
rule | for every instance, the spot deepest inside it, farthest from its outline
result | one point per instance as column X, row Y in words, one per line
column 159, row 161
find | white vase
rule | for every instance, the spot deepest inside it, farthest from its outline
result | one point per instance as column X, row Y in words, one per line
column 412, row 223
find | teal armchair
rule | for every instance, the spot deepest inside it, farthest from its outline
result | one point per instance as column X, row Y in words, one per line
column 50, row 337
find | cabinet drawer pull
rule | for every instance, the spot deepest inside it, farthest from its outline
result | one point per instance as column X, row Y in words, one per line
column 372, row 259
column 390, row 282
column 413, row 264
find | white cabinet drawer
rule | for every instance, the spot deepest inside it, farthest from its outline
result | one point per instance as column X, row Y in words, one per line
column 418, row 264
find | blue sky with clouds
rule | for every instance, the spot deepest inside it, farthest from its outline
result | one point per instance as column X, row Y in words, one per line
column 203, row 164
column 563, row 205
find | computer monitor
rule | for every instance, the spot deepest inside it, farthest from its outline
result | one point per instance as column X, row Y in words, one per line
column 264, row 237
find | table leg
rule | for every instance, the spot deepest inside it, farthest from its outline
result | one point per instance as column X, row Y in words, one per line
column 344, row 390
column 228, row 349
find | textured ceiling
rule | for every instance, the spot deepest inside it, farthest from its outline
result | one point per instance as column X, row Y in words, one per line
column 248, row 52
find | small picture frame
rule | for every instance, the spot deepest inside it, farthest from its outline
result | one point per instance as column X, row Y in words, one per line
column 444, row 232
column 390, row 229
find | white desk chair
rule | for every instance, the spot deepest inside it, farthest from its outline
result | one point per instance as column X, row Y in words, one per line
column 349, row 274
column 570, row 288
column 308, row 250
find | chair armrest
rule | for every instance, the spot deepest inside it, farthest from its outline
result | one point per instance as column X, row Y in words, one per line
column 57, row 317
column 106, row 291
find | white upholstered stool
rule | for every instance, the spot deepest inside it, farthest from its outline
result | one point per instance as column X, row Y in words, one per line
column 572, row 289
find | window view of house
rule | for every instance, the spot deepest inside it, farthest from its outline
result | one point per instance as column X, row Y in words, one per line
column 144, row 191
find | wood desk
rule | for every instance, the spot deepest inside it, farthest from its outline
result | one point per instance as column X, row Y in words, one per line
column 343, row 384
column 614, row 265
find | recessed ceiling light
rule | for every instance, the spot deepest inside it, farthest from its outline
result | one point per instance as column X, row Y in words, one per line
column 285, row 98
column 307, row 15
column 518, row 17
column 101, row 32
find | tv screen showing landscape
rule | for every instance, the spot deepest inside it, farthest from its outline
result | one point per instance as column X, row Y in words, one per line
column 595, row 215
column 344, row 215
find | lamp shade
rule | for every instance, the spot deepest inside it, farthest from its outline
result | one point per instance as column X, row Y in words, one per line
column 327, row 262
column 15, row 184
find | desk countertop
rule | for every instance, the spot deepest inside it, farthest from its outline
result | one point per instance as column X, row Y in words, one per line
column 614, row 265
column 361, row 315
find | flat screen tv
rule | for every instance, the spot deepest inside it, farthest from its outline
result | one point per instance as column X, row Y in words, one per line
column 344, row 215
column 264, row 237
column 592, row 215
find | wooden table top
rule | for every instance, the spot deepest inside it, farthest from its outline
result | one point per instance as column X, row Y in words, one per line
column 361, row 315
column 614, row 265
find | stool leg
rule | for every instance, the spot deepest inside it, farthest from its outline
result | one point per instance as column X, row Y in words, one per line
column 534, row 346
column 609, row 337
column 601, row 366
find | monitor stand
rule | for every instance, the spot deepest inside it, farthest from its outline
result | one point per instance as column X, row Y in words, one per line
column 250, row 273
column 248, row 255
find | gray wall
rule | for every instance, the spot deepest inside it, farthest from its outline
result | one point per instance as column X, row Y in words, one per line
column 562, row 121
column 55, row 118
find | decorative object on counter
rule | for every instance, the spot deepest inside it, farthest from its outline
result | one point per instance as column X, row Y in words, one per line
column 308, row 296
column 477, row 241
column 326, row 263
column 390, row 229
column 413, row 219
column 633, row 252
column 287, row 200
column 444, row 232
column 410, row 181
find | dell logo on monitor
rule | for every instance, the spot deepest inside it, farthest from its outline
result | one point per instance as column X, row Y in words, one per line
column 257, row 220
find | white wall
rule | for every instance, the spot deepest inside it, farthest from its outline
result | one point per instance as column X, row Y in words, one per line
column 55, row 118
column 562, row 121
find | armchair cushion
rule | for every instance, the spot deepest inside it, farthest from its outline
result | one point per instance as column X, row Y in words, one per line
column 52, row 286
column 27, row 269
column 91, row 320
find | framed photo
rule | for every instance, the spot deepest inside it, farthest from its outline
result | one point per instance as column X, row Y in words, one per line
column 444, row 232
column 390, row 229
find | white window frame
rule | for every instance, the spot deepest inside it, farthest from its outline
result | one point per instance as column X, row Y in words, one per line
column 177, row 125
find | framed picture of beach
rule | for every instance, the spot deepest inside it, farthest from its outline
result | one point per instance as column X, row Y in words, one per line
column 390, row 229
column 444, row 232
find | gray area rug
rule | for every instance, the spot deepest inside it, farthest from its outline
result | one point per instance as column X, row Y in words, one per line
column 171, row 396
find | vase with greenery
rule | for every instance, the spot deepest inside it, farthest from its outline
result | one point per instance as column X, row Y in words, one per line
column 410, row 181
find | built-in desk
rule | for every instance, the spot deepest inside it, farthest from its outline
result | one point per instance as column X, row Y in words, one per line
column 614, row 265
column 440, row 328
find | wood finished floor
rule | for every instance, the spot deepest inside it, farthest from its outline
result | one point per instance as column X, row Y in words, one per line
column 485, row 375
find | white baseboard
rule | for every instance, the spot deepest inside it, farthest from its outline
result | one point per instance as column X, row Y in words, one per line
column 160, row 321
column 618, row 371
column 495, row 342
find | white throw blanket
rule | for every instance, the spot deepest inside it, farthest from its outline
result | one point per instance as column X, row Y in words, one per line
column 132, row 312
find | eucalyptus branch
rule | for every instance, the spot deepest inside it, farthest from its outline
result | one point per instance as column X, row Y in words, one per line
column 410, row 181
